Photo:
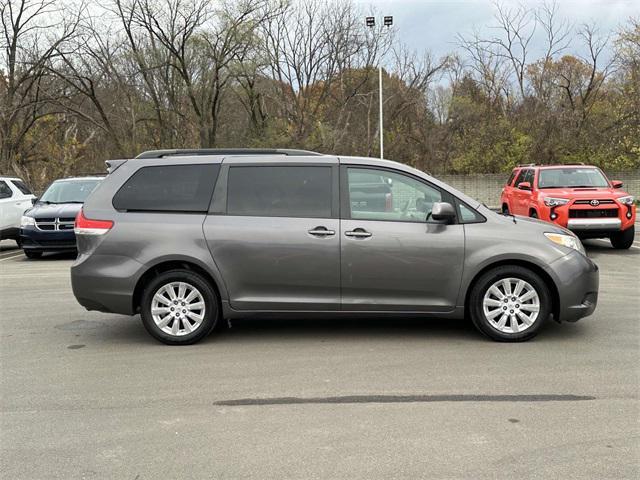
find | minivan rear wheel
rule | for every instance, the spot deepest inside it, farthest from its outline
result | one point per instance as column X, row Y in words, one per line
column 510, row 303
column 179, row 307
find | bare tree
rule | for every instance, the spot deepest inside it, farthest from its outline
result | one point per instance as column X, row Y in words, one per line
column 34, row 32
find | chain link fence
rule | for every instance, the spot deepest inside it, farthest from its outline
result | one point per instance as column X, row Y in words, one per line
column 486, row 188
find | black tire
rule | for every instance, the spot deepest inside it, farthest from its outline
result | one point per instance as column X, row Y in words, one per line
column 505, row 209
column 533, row 214
column 483, row 284
column 623, row 240
column 32, row 254
column 210, row 298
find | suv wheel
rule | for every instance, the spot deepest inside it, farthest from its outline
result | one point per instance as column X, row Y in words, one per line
column 32, row 254
column 179, row 307
column 623, row 240
column 505, row 209
column 509, row 303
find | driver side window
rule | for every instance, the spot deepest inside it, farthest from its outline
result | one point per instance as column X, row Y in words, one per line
column 383, row 195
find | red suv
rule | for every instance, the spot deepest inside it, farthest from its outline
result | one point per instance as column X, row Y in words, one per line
column 578, row 197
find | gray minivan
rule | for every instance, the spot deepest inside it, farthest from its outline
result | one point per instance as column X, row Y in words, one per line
column 189, row 238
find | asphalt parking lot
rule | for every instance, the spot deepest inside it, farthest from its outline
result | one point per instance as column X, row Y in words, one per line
column 91, row 395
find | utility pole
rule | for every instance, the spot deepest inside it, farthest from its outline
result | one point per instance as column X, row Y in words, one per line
column 371, row 23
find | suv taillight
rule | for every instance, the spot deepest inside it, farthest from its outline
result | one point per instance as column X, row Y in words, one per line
column 388, row 202
column 87, row 226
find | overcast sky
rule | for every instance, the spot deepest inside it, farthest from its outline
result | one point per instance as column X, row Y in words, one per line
column 433, row 24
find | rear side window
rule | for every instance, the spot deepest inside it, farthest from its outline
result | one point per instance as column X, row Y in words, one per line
column 171, row 188
column 5, row 191
column 279, row 191
column 22, row 187
column 511, row 177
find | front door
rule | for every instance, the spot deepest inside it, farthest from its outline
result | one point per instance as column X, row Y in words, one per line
column 393, row 255
column 276, row 242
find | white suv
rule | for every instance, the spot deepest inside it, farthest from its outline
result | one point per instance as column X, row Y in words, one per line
column 15, row 198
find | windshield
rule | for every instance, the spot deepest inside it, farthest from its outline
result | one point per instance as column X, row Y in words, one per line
column 69, row 191
column 571, row 178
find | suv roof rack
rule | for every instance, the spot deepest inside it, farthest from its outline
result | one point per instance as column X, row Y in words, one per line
column 227, row 151
column 527, row 165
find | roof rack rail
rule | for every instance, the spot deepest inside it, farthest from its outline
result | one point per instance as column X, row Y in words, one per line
column 527, row 165
column 226, row 151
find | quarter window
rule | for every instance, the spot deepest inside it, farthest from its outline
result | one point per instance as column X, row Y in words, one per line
column 5, row 191
column 171, row 188
column 279, row 191
column 383, row 195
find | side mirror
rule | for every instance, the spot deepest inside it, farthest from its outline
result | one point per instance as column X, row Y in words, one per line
column 443, row 212
column 524, row 186
column 34, row 200
column 616, row 183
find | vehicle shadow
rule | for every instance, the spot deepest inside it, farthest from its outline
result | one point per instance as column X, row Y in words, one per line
column 602, row 247
column 53, row 256
column 123, row 330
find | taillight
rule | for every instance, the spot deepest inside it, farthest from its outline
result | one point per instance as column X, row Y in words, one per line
column 388, row 202
column 87, row 226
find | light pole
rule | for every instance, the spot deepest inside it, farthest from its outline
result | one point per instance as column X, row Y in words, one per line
column 371, row 23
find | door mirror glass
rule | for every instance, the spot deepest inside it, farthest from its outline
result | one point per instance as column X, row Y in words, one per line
column 616, row 183
column 443, row 212
column 524, row 186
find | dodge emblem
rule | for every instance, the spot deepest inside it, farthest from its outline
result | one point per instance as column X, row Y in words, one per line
column 594, row 203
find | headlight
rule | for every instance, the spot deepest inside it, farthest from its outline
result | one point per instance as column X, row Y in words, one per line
column 628, row 200
column 569, row 241
column 26, row 221
column 555, row 202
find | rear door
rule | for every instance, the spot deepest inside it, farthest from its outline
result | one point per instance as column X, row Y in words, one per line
column 273, row 231
column 395, row 257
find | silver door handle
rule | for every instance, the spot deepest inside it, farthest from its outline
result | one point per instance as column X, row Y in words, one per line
column 322, row 232
column 358, row 233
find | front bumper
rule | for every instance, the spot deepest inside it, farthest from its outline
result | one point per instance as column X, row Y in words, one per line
column 577, row 281
column 575, row 218
column 32, row 238
column 590, row 224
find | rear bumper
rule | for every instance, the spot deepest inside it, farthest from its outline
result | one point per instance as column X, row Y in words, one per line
column 105, row 282
column 577, row 281
column 34, row 239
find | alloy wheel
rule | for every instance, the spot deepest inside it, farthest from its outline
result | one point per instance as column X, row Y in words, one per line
column 511, row 305
column 178, row 308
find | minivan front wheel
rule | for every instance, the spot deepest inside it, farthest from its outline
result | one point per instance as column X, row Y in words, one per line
column 179, row 307
column 510, row 303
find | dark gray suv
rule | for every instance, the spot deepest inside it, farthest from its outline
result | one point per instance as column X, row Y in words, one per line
column 189, row 238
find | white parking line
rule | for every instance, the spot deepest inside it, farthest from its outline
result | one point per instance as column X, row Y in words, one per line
column 9, row 257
